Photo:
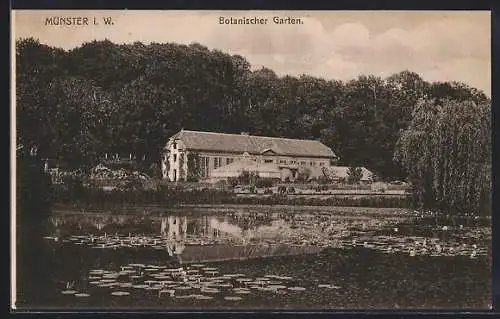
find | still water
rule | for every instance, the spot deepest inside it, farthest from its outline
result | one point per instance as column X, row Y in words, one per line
column 265, row 258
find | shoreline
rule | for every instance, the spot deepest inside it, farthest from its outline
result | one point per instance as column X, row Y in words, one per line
column 227, row 208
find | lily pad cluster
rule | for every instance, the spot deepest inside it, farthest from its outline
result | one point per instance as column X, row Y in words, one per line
column 195, row 282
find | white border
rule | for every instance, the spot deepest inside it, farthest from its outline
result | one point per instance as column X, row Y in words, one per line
column 13, row 238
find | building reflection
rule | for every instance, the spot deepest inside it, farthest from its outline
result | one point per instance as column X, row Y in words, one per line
column 174, row 230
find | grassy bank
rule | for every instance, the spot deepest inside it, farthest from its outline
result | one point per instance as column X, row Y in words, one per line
column 89, row 198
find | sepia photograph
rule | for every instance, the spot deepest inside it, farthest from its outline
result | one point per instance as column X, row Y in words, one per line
column 251, row 160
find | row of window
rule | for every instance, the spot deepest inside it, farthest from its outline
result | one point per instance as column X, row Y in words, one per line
column 217, row 162
column 303, row 163
column 220, row 161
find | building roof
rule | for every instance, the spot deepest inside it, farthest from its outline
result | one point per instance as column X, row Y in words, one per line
column 241, row 143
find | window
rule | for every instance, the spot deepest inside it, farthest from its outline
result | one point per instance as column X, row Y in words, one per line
column 204, row 161
column 202, row 166
column 282, row 162
column 268, row 161
column 228, row 161
column 312, row 163
column 321, row 164
column 175, row 145
column 302, row 163
column 217, row 162
column 175, row 158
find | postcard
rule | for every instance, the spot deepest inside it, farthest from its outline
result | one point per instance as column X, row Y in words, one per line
column 248, row 160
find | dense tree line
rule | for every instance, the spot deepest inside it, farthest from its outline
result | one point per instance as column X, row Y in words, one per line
column 102, row 97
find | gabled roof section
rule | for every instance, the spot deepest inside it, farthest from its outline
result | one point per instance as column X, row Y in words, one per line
column 239, row 143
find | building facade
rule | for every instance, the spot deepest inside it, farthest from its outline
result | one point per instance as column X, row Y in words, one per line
column 195, row 155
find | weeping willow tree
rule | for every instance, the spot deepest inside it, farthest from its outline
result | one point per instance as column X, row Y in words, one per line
column 446, row 151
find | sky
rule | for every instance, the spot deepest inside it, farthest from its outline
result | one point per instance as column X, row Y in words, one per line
column 341, row 45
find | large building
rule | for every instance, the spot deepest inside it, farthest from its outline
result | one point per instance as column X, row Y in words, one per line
column 209, row 155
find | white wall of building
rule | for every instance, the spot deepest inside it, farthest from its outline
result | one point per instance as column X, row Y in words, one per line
column 213, row 160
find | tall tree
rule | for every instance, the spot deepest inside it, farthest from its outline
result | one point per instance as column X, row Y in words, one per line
column 446, row 151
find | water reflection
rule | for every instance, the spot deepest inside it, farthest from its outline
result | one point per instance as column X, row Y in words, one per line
column 330, row 259
column 240, row 235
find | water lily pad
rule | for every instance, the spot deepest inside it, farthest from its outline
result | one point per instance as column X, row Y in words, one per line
column 233, row 298
column 96, row 272
column 82, row 295
column 328, row 286
column 296, row 288
column 94, row 282
column 244, row 279
column 120, row 293
column 198, row 265
column 210, row 290
column 125, row 284
column 283, row 277
column 107, row 280
column 209, row 269
column 203, row 297
column 140, row 286
column 68, row 292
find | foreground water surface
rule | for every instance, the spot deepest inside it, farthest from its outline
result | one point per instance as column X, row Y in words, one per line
column 335, row 258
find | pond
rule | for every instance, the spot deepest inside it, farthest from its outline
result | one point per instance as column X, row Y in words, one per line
column 261, row 257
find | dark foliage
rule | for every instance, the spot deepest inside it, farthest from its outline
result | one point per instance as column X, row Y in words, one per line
column 129, row 98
